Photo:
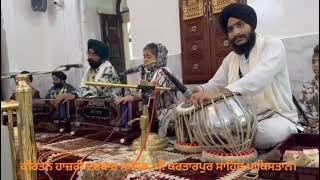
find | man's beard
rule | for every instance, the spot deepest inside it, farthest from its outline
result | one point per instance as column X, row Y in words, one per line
column 94, row 64
column 58, row 85
column 246, row 47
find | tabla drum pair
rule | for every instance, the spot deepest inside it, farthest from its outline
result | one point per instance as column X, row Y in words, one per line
column 222, row 129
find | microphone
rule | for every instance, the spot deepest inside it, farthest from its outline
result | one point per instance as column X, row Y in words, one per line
column 135, row 69
column 8, row 76
column 68, row 66
column 131, row 70
column 187, row 93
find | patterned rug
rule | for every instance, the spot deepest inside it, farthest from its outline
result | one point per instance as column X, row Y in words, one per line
column 83, row 143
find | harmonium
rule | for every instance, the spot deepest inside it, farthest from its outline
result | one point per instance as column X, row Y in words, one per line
column 104, row 116
column 92, row 118
column 102, row 113
column 49, row 117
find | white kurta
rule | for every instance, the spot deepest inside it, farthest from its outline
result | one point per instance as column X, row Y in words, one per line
column 271, row 72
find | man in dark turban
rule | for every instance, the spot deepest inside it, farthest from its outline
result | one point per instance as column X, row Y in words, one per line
column 98, row 52
column 257, row 69
column 239, row 15
column 60, row 85
column 100, row 70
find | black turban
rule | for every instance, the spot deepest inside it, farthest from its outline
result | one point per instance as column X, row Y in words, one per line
column 99, row 48
column 60, row 75
column 239, row 11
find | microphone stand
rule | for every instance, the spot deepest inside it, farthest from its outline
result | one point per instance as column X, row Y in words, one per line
column 38, row 72
column 154, row 142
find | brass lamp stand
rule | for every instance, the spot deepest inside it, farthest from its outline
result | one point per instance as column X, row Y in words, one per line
column 154, row 142
column 25, row 124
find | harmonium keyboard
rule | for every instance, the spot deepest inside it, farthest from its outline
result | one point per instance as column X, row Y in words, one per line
column 48, row 117
column 102, row 113
column 91, row 115
column 105, row 116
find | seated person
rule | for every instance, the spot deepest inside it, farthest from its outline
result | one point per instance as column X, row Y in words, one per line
column 35, row 92
column 59, row 85
column 257, row 69
column 309, row 96
column 100, row 70
column 166, row 101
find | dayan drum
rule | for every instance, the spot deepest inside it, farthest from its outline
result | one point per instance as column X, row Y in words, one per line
column 186, row 141
column 224, row 127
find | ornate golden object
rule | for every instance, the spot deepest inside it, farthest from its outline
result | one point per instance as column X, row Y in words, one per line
column 154, row 143
column 26, row 138
column 27, row 143
column 111, row 85
column 9, row 107
column 192, row 9
column 218, row 5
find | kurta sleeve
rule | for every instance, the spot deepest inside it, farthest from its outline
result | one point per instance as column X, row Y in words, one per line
column 109, row 76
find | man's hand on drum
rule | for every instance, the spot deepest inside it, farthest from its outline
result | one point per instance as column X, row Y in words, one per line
column 200, row 97
column 223, row 91
column 197, row 96
column 124, row 99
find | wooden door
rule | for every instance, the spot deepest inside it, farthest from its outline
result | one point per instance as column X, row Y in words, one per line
column 195, row 48
column 111, row 30
column 203, row 44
